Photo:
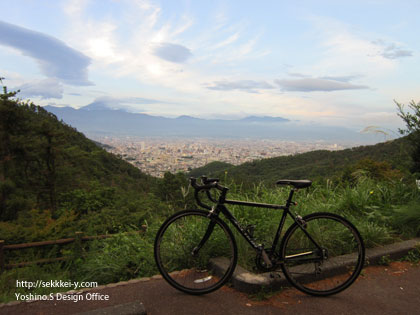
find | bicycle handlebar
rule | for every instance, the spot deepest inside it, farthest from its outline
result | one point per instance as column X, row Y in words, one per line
column 208, row 184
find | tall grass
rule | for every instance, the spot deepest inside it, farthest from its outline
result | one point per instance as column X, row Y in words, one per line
column 122, row 257
column 383, row 212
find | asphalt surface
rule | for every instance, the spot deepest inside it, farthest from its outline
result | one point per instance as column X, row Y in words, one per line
column 393, row 289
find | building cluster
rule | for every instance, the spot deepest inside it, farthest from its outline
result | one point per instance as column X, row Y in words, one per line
column 155, row 156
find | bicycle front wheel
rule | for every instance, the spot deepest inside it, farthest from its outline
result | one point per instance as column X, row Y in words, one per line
column 194, row 253
column 324, row 256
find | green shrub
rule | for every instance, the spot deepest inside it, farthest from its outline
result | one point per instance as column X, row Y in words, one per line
column 121, row 257
column 413, row 255
column 407, row 218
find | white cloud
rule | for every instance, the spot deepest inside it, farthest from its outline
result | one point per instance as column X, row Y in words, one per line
column 228, row 41
column 381, row 118
column 317, row 84
column 75, row 7
column 44, row 89
column 344, row 49
column 250, row 86
column 348, row 52
column 125, row 103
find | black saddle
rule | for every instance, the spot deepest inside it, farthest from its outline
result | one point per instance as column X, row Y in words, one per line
column 295, row 183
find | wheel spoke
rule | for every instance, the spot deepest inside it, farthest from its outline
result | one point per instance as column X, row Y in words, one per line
column 182, row 265
column 328, row 271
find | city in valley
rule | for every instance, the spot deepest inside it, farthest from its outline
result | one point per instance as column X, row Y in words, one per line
column 155, row 156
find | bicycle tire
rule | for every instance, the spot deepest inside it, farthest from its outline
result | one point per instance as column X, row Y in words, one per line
column 196, row 274
column 309, row 269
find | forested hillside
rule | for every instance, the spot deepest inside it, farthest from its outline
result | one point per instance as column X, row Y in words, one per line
column 314, row 165
column 53, row 180
column 210, row 168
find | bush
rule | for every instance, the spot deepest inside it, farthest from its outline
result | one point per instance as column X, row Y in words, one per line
column 407, row 219
column 121, row 257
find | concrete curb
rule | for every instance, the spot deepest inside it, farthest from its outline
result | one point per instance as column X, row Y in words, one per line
column 248, row 282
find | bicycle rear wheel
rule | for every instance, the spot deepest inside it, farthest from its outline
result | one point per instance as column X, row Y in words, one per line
column 194, row 253
column 329, row 268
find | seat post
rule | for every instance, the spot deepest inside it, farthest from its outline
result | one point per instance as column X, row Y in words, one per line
column 289, row 200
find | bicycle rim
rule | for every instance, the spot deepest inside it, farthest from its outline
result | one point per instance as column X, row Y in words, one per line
column 204, row 271
column 329, row 269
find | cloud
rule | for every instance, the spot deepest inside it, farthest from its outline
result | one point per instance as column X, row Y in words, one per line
column 55, row 58
column 249, row 86
column 45, row 89
column 172, row 52
column 394, row 52
column 346, row 50
column 298, row 75
column 341, row 78
column 125, row 103
column 326, row 84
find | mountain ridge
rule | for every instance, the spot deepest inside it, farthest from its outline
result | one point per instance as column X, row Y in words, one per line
column 101, row 120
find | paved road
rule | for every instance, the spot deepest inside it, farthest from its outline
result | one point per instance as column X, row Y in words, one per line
column 393, row 289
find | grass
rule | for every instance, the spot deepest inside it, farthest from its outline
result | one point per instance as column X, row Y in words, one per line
column 263, row 294
column 383, row 212
column 9, row 286
column 384, row 261
column 413, row 255
column 122, row 257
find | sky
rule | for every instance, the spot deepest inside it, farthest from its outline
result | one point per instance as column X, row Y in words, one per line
column 336, row 63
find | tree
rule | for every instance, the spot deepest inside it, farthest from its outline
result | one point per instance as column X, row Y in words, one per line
column 31, row 142
column 412, row 122
column 11, row 121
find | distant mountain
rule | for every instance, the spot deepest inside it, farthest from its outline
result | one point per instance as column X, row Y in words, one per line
column 187, row 118
column 264, row 119
column 98, row 119
column 97, row 105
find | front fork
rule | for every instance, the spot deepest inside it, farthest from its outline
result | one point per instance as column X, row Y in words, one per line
column 206, row 236
column 209, row 230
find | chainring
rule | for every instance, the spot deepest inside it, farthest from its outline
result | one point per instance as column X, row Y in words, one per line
column 260, row 263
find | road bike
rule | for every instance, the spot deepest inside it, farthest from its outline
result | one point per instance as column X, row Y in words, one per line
column 195, row 250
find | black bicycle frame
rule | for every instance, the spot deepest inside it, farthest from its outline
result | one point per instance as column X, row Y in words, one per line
column 221, row 208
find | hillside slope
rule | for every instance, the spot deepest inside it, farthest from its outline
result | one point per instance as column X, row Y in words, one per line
column 312, row 165
column 48, row 166
column 210, row 168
